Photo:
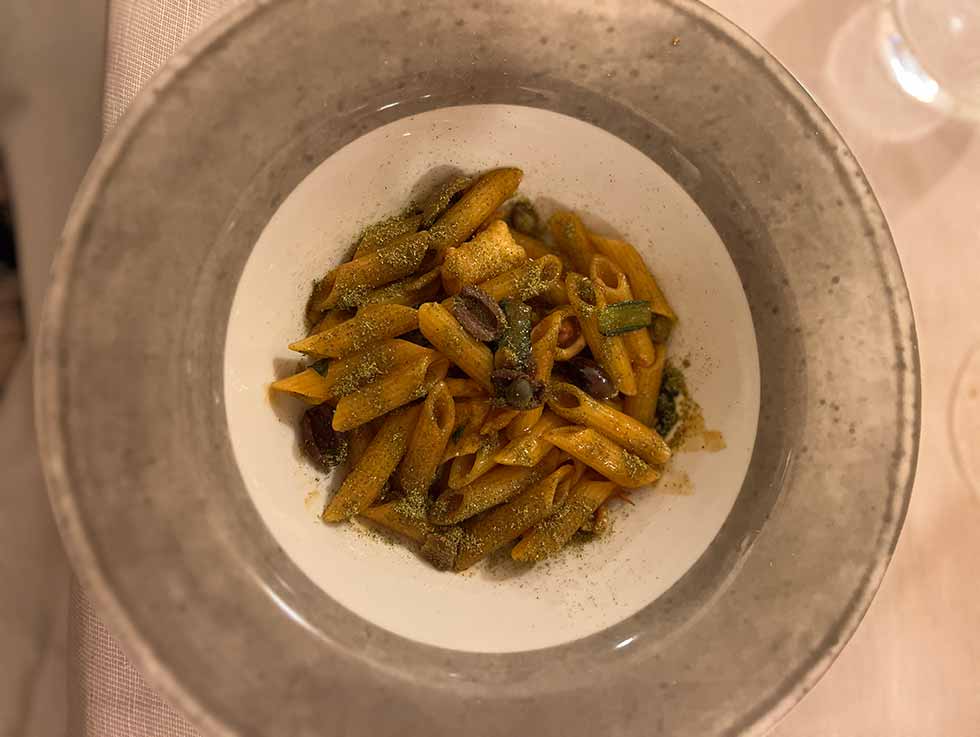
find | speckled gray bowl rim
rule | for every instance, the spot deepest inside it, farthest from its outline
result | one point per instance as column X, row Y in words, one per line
column 53, row 443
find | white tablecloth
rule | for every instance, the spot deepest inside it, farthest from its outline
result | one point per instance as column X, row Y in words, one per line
column 913, row 669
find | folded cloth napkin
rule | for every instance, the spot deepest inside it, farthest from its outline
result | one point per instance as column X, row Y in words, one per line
column 107, row 695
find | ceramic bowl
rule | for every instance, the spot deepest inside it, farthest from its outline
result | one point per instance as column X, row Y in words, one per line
column 247, row 167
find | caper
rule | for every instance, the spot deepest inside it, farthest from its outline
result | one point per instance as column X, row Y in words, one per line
column 516, row 389
column 524, row 218
column 519, row 392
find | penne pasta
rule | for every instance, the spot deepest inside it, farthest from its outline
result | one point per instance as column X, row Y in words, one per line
column 641, row 279
column 613, row 287
column 409, row 383
column 390, row 517
column 498, row 419
column 529, row 448
column 550, row 535
column 307, row 384
column 527, row 281
column 466, row 469
column 499, row 485
column 572, row 240
column 489, row 254
column 643, row 405
column 353, row 280
column 331, row 318
column 423, row 457
column 603, row 455
column 348, row 374
column 610, row 352
column 411, row 291
column 533, row 247
column 359, row 440
column 466, row 437
column 578, row 408
column 442, row 199
column 371, row 323
column 487, row 194
column 382, row 233
column 364, row 483
column 498, row 527
column 465, row 388
column 442, row 330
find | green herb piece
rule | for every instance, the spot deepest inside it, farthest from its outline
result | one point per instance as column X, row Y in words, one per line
column 624, row 317
column 672, row 386
column 514, row 347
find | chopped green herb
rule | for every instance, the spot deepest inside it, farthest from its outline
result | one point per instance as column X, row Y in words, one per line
column 624, row 317
column 514, row 347
column 672, row 386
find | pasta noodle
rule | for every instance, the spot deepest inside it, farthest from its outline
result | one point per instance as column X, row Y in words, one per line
column 551, row 534
column 371, row 323
column 506, row 522
column 480, row 201
column 487, row 379
column 456, row 505
column 355, row 279
column 423, row 457
column 389, row 392
column 366, row 480
column 442, row 330
column 643, row 405
column 572, row 240
column 490, row 253
column 603, row 455
column 575, row 406
column 529, row 448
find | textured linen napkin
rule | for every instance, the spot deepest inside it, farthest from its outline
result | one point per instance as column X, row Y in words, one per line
column 107, row 695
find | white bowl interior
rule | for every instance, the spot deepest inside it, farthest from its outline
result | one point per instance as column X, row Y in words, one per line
column 494, row 607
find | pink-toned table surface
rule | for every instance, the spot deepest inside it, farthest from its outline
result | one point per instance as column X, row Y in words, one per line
column 913, row 668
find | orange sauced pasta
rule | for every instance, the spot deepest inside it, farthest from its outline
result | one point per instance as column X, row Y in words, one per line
column 490, row 380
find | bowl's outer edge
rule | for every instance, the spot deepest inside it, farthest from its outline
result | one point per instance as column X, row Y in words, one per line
column 52, row 441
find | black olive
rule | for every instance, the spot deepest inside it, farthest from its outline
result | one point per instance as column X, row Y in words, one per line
column 479, row 314
column 589, row 376
column 321, row 443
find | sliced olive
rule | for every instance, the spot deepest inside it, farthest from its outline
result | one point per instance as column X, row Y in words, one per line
column 589, row 376
column 524, row 218
column 321, row 443
column 479, row 314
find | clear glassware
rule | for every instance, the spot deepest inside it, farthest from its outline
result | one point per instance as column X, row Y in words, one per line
column 932, row 49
